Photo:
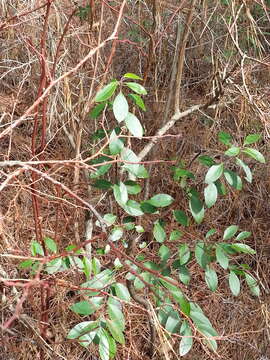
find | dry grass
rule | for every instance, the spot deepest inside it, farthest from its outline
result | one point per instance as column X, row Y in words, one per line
column 242, row 322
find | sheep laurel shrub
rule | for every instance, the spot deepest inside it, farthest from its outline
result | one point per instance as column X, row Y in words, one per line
column 170, row 275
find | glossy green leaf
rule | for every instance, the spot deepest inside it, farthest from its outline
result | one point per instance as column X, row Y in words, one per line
column 175, row 235
column 134, row 126
column 230, row 231
column 173, row 322
column 106, row 92
column 54, row 265
column 206, row 160
column 201, row 255
column 97, row 110
column 36, row 249
column 137, row 88
column 224, row 138
column 115, row 331
column 164, row 253
column 26, row 264
column 120, row 193
column 122, row 291
column 222, row 257
column 243, row 248
column 246, row 169
column 138, row 101
column 210, row 233
column 252, row 284
column 161, row 200
column 181, row 217
column 243, row 235
column 232, row 151
column 115, row 313
column 82, row 328
column 233, row 179
column 214, row 173
column 255, row 154
column 234, row 283
column 102, row 184
column 251, row 139
column 196, row 208
column 50, row 244
column 116, row 145
column 116, row 234
column 87, row 307
column 99, row 281
column 211, row 278
column 158, row 232
column 184, row 275
column 133, row 208
column 208, row 332
column 129, row 156
column 104, row 345
column 132, row 187
column 186, row 340
column 184, row 254
column 220, row 188
column 87, row 339
column 120, row 107
column 132, row 76
column 210, row 194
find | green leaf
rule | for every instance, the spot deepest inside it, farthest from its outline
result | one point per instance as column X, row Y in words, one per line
column 208, row 333
column 232, row 151
column 210, row 233
column 101, row 171
column 120, row 107
column 243, row 235
column 184, row 254
column 184, row 275
column 120, row 193
column 206, row 160
column 181, row 217
column 230, row 231
column 130, row 156
column 252, row 284
column 132, row 187
column 137, row 88
column 214, row 173
column 173, row 322
column 175, row 235
column 196, row 208
column 104, row 345
column 50, row 244
column 147, row 208
column 102, row 184
column 115, row 331
column 134, row 126
column 220, row 187
column 251, row 139
column 122, row 291
column 116, row 145
column 164, row 253
column 54, row 265
column 133, row 208
column 224, row 138
column 243, row 248
column 132, row 76
column 255, row 154
column 211, row 279
column 184, row 304
column 87, row 339
column 138, row 101
column 87, row 307
column 246, row 169
column 158, row 232
column 115, row 313
column 82, row 328
column 222, row 257
column 161, row 200
column 106, row 92
column 186, row 340
column 210, row 194
column 97, row 110
column 36, row 249
column 201, row 255
column 98, row 282
column 116, row 234
column 233, row 179
column 234, row 283
column 26, row 264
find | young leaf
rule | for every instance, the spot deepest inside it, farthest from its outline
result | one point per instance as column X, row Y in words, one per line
column 132, row 76
column 232, row 151
column 222, row 257
column 255, row 154
column 233, row 179
column 186, row 340
column 252, row 284
column 243, row 248
column 106, row 92
column 224, row 138
column 230, row 231
column 211, row 279
column 137, row 88
column 214, row 173
column 246, row 169
column 134, row 126
column 210, row 194
column 161, row 200
column 138, row 101
column 50, row 244
column 158, row 232
column 234, row 283
column 120, row 107
column 181, row 217
column 251, row 139
column 196, row 208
